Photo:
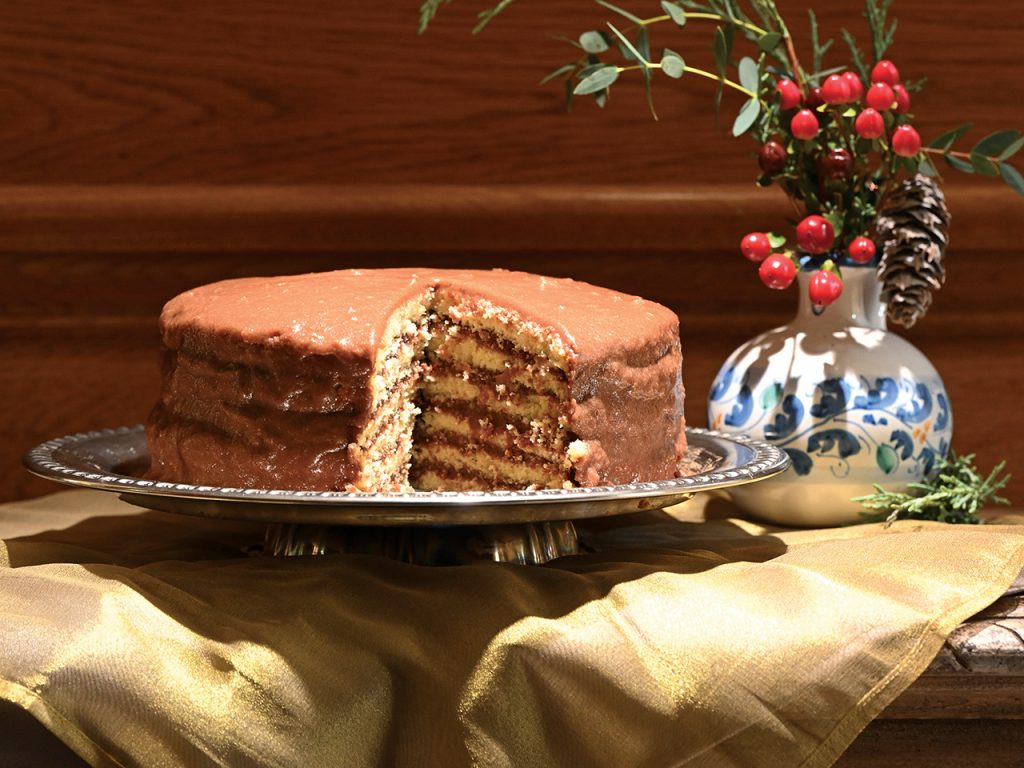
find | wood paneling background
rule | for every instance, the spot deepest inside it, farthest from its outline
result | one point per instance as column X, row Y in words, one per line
column 149, row 146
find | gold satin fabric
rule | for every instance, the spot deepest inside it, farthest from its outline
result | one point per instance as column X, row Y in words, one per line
column 142, row 638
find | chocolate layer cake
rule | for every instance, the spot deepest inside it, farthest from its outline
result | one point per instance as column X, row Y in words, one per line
column 379, row 380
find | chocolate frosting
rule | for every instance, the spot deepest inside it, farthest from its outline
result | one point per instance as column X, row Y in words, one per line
column 265, row 380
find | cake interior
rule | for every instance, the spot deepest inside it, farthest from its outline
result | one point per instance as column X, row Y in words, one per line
column 465, row 396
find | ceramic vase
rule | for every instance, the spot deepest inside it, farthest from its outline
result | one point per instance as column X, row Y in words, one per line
column 850, row 402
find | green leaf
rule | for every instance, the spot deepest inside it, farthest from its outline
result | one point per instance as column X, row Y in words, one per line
column 851, row 112
column 1012, row 177
column 771, row 396
column 995, row 143
column 597, row 80
column 835, row 218
column 648, row 92
column 563, row 70
column 591, row 69
column 643, row 44
column 748, row 114
column 983, row 165
column 672, row 64
column 601, row 98
column 769, row 42
column 428, row 10
column 1012, row 150
column 720, row 49
column 593, row 42
column 857, row 54
column 629, row 46
column 886, row 458
column 569, row 40
column 677, row 14
column 913, row 86
column 927, row 167
column 960, row 165
column 749, row 76
column 620, row 11
column 818, row 50
column 776, row 241
column 946, row 140
column 484, row 17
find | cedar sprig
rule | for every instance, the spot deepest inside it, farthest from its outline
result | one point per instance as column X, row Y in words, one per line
column 955, row 495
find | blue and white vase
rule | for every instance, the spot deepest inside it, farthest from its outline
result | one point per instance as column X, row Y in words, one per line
column 851, row 403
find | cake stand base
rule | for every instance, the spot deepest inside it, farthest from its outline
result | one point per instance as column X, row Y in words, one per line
column 526, row 543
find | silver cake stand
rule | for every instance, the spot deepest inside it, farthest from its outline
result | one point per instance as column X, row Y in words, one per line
column 418, row 527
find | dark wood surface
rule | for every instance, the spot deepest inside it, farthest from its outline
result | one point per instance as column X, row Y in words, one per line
column 335, row 91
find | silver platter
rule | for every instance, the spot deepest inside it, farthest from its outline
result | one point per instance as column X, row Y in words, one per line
column 114, row 459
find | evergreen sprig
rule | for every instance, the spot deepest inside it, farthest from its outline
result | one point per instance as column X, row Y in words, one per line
column 882, row 33
column 955, row 495
column 428, row 10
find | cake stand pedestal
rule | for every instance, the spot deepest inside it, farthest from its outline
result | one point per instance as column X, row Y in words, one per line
column 524, row 543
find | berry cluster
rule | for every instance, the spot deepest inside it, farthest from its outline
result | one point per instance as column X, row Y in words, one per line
column 815, row 237
column 833, row 147
column 885, row 94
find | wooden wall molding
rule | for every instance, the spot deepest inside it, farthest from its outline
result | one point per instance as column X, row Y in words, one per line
column 143, row 219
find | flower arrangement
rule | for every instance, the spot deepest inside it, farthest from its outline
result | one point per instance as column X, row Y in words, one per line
column 840, row 141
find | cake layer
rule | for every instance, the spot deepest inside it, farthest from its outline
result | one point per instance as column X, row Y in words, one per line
column 535, row 438
column 439, row 460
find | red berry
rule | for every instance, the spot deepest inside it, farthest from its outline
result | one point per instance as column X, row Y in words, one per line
column 856, row 86
column 777, row 272
column 835, row 89
column 902, row 99
column 906, row 142
column 824, row 288
column 880, row 96
column 804, row 124
column 837, row 164
column 815, row 234
column 885, row 72
column 861, row 250
column 814, row 99
column 789, row 93
column 772, row 157
column 869, row 124
column 756, row 246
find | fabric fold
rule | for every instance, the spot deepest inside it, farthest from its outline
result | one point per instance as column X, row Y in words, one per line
column 140, row 638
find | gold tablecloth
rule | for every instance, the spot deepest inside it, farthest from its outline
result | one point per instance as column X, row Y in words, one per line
column 142, row 638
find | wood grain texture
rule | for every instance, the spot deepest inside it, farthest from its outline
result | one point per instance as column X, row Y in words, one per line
column 334, row 91
column 949, row 743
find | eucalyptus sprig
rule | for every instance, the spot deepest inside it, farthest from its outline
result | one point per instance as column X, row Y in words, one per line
column 839, row 141
column 955, row 495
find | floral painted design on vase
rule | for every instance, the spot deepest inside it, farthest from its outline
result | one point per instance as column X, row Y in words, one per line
column 851, row 403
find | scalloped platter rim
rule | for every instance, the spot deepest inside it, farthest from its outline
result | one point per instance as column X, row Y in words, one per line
column 111, row 460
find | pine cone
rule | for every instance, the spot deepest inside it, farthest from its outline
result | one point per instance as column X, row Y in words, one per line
column 914, row 229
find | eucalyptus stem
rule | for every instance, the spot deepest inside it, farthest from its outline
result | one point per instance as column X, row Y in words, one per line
column 708, row 17
column 955, row 153
column 693, row 71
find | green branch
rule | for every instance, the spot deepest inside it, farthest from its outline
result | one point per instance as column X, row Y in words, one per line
column 693, row 71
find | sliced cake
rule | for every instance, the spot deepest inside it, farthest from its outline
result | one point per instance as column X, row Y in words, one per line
column 377, row 380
